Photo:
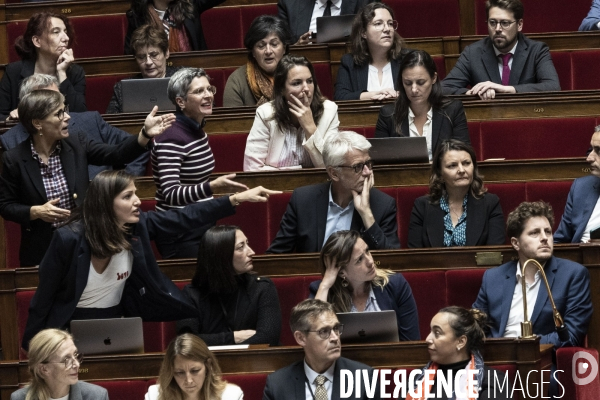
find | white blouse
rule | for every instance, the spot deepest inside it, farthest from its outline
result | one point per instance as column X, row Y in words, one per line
column 387, row 80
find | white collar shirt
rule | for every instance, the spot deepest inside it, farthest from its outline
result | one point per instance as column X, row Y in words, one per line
column 311, row 387
column 319, row 9
column 516, row 316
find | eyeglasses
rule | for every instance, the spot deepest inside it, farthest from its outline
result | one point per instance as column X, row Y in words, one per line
column 358, row 168
column 61, row 113
column 68, row 361
column 143, row 57
column 378, row 25
column 505, row 24
column 203, row 91
column 326, row 332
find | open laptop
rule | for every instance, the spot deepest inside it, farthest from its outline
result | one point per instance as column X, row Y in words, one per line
column 141, row 95
column 334, row 29
column 108, row 336
column 369, row 327
column 399, row 150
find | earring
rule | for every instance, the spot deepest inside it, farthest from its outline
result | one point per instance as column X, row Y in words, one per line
column 40, row 132
column 345, row 283
column 457, row 348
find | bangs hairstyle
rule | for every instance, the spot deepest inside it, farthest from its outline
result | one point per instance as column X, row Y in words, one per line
column 37, row 105
column 470, row 323
column 149, row 36
column 178, row 9
column 417, row 58
column 514, row 6
column 193, row 348
column 214, row 272
column 360, row 48
column 339, row 246
column 517, row 219
column 282, row 111
column 306, row 312
column 437, row 187
column 102, row 229
column 38, row 25
column 41, row 347
column 263, row 26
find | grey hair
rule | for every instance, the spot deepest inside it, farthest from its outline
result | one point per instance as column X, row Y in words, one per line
column 597, row 129
column 306, row 312
column 35, row 82
column 337, row 146
column 180, row 82
column 38, row 105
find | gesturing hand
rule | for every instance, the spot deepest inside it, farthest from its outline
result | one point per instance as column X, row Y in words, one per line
column 226, row 184
column 49, row 212
column 157, row 124
column 241, row 336
column 258, row 194
column 304, row 39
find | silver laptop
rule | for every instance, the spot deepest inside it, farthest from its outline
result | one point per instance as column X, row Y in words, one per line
column 141, row 95
column 399, row 150
column 108, row 336
column 369, row 327
column 334, row 29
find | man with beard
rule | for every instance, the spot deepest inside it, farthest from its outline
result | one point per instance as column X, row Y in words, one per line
column 529, row 227
column 504, row 62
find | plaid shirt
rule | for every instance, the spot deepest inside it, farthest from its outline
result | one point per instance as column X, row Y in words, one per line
column 54, row 180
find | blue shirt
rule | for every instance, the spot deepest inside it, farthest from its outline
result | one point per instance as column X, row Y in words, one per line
column 454, row 235
column 338, row 218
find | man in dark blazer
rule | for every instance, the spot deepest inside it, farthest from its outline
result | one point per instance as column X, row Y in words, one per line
column 530, row 228
column 482, row 67
column 349, row 201
column 299, row 14
column 581, row 211
column 317, row 329
column 89, row 122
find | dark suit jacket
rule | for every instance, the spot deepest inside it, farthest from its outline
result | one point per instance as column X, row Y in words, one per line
column 590, row 22
column 255, row 305
column 298, row 13
column 148, row 293
column 21, row 185
column 397, row 296
column 192, row 25
column 79, row 391
column 582, row 199
column 353, row 79
column 485, row 222
column 303, row 225
column 449, row 122
column 290, row 382
column 532, row 69
column 73, row 88
column 570, row 286
column 96, row 128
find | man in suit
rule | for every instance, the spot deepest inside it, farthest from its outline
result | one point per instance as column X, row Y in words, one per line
column 582, row 211
column 301, row 15
column 529, row 227
column 504, row 62
column 349, row 201
column 90, row 122
column 317, row 329
column 592, row 21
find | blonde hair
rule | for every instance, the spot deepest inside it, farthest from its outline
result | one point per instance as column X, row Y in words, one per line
column 193, row 348
column 41, row 348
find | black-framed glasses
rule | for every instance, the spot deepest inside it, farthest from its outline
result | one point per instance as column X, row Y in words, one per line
column 505, row 24
column 68, row 361
column 61, row 113
column 358, row 168
column 203, row 91
column 143, row 57
column 378, row 25
column 324, row 333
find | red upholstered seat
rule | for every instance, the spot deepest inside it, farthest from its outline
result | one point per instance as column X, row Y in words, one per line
column 150, row 206
column 440, row 65
column 213, row 21
column 475, row 137
column 253, row 385
column 562, row 63
column 217, row 80
column 462, row 286
column 99, row 91
column 23, row 299
column 323, row 75
column 583, row 76
column 442, row 16
column 228, row 150
column 252, row 219
column 510, row 194
column 572, row 360
column 555, row 193
column 405, row 200
column 124, row 390
column 429, row 291
column 12, row 235
column 277, row 206
column 250, row 12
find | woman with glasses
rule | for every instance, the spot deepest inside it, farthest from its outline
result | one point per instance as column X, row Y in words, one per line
column 369, row 71
column 190, row 371
column 46, row 177
column 53, row 366
column 150, row 46
column 421, row 110
column 289, row 132
column 182, row 160
column 458, row 211
column 234, row 305
column 353, row 283
column 44, row 48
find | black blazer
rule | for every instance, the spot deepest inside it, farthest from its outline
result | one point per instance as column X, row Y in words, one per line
column 193, row 25
column 485, row 222
column 21, row 185
column 73, row 88
column 148, row 293
column 255, row 305
column 449, row 122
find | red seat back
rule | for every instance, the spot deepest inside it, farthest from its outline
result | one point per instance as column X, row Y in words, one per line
column 99, row 91
column 12, row 235
column 252, row 219
column 405, row 200
column 583, row 76
column 555, row 193
column 124, row 390
column 442, row 16
column 23, row 299
column 429, row 291
column 463, row 286
column 570, row 364
column 228, row 150
column 323, row 76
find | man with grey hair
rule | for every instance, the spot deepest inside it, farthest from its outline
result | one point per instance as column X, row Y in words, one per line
column 349, row 201
column 90, row 122
column 317, row 329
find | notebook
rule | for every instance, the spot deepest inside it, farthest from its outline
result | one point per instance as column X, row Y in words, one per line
column 108, row 336
column 141, row 95
column 334, row 29
column 369, row 327
column 399, row 150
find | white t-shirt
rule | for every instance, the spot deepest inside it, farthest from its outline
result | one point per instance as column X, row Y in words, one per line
column 427, row 129
column 105, row 290
column 593, row 223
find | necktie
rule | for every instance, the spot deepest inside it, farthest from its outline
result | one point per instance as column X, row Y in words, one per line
column 321, row 392
column 505, row 68
column 327, row 12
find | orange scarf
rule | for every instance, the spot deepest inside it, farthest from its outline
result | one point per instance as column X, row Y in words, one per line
column 432, row 370
column 260, row 84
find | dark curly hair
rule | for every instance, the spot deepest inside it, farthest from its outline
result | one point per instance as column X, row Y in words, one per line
column 515, row 223
column 37, row 25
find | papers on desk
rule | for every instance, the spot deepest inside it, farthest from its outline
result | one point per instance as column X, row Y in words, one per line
column 230, row 347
